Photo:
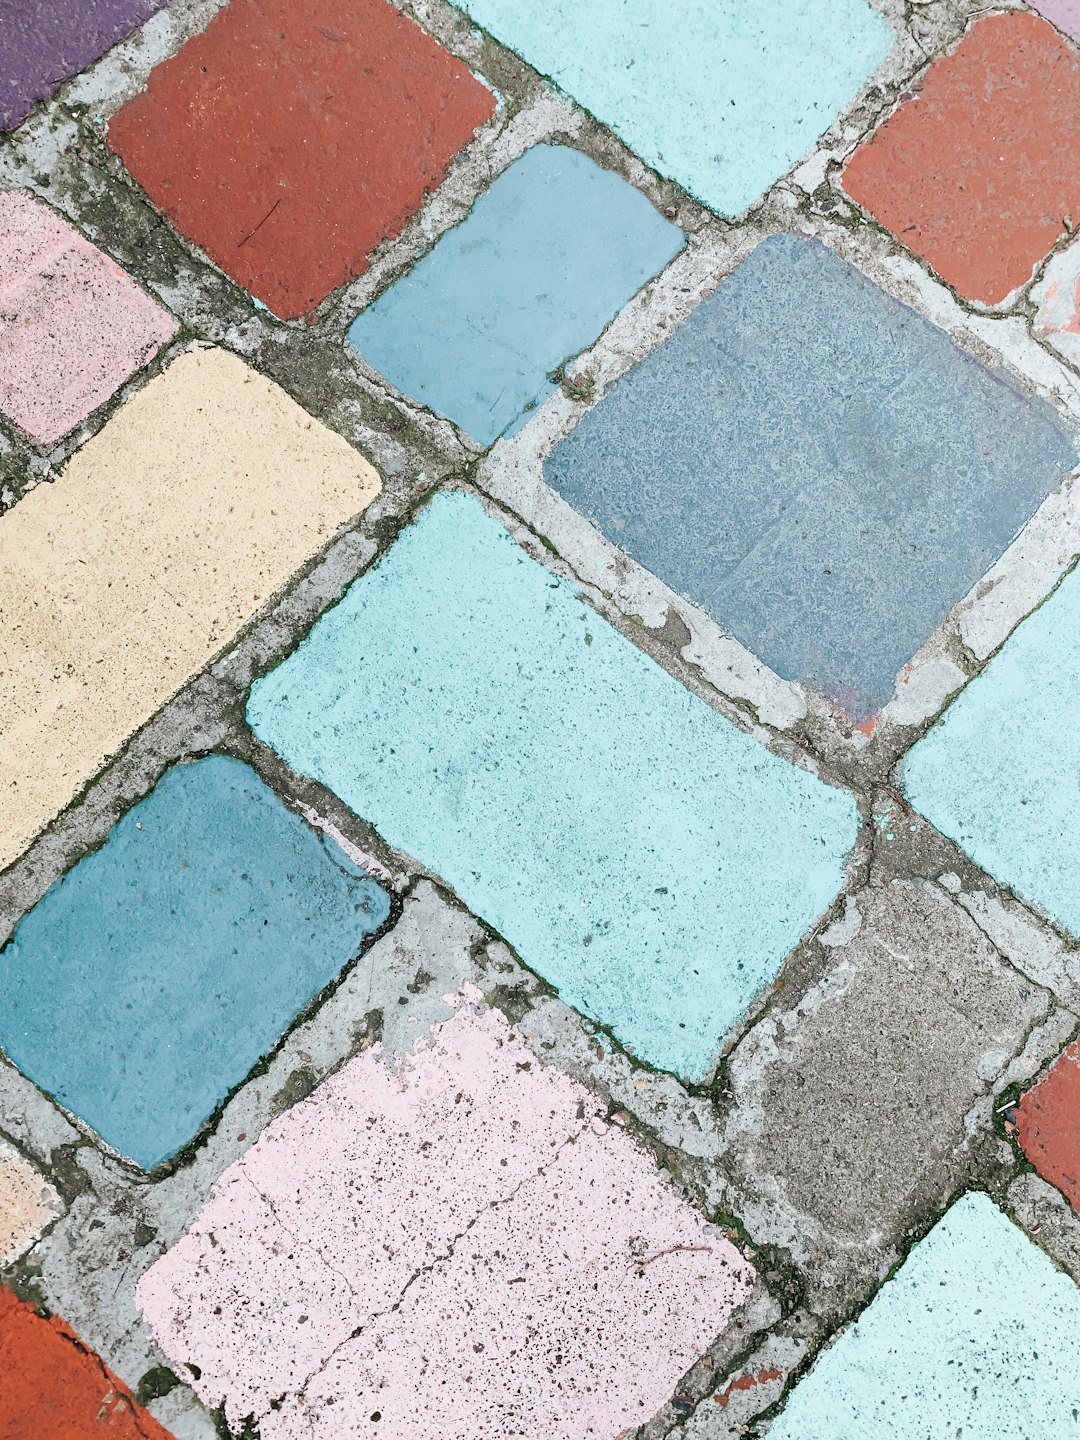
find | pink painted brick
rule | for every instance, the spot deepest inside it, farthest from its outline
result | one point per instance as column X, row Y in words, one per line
column 73, row 326
column 460, row 1246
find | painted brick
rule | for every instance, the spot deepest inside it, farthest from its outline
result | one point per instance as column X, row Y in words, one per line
column 978, row 172
column 546, row 257
column 641, row 852
column 1048, row 1125
column 817, row 466
column 44, row 44
column 974, row 1335
column 73, row 326
column 1065, row 14
column 54, row 1388
column 420, row 1250
column 719, row 95
column 292, row 136
column 1057, row 304
column 1000, row 771
column 27, row 1204
column 147, row 982
column 162, row 536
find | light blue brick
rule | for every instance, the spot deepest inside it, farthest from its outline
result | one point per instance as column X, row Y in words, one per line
column 641, row 852
column 974, row 1338
column 1000, row 771
column 818, row 467
column 721, row 95
column 547, row 256
column 149, row 980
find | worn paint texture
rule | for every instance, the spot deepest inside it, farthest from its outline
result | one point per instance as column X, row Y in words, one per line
column 289, row 139
column 1057, row 303
column 45, row 42
column 422, row 1249
column 978, row 171
column 546, row 257
column 999, row 772
column 646, row 856
column 27, row 1204
column 73, row 326
column 162, row 536
column 974, row 1336
column 149, row 980
column 1048, row 1125
column 54, row 1388
column 1065, row 14
column 816, row 465
column 720, row 96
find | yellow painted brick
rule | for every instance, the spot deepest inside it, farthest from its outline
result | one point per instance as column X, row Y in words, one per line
column 162, row 537
column 27, row 1203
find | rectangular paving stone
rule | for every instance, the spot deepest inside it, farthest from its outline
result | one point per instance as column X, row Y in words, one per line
column 720, row 96
column 291, row 137
column 641, row 852
column 27, row 1204
column 1048, row 1124
column 975, row 1335
column 158, row 541
column 814, row 464
column 459, row 1246
column 73, row 326
column 149, row 980
column 978, row 169
column 547, row 256
column 54, row 1388
column 1000, row 771
column 45, row 43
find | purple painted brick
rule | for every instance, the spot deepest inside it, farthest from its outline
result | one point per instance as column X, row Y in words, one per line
column 1065, row 14
column 45, row 42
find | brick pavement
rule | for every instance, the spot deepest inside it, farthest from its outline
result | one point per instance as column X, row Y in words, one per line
column 537, row 704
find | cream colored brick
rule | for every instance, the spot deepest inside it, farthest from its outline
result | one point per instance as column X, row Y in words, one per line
column 27, row 1204
column 161, row 538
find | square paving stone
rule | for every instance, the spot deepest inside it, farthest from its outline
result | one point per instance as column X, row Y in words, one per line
column 975, row 1335
column 721, row 96
column 1000, row 771
column 158, row 541
column 54, row 1388
column 545, row 258
column 292, row 136
column 73, row 326
column 978, row 171
column 44, row 43
column 639, row 850
column 814, row 464
column 146, row 983
column 458, row 1246
column 1048, row 1124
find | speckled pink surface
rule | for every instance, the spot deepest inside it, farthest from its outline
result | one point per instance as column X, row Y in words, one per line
column 1065, row 14
column 73, row 326
column 459, row 1247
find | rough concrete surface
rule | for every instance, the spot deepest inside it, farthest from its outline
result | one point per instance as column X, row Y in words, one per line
column 872, row 1044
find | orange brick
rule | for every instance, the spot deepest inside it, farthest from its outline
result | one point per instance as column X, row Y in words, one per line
column 1048, row 1123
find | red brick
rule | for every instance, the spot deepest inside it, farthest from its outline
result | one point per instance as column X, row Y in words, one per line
column 53, row 1388
column 977, row 170
column 1048, row 1125
column 292, row 136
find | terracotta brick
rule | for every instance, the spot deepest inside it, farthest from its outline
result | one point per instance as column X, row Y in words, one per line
column 1048, row 1124
column 978, row 170
column 54, row 1388
column 292, row 136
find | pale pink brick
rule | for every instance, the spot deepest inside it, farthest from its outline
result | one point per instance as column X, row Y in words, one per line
column 73, row 326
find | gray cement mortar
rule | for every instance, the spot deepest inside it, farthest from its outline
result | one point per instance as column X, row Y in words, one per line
column 866, row 1088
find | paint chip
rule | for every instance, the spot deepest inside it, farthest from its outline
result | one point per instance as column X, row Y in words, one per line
column 73, row 326
column 159, row 540
column 459, row 1244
